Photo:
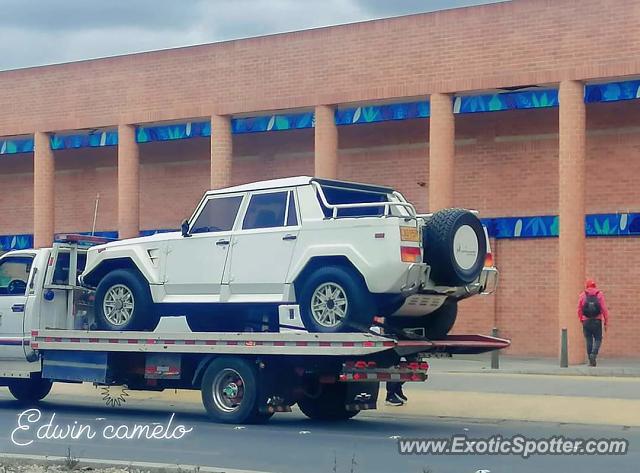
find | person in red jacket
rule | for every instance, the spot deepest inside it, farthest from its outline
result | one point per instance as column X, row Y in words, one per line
column 593, row 313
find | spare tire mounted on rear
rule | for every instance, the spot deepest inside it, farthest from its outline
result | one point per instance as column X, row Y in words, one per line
column 454, row 246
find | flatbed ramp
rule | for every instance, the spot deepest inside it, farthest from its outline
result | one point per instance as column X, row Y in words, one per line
column 258, row 343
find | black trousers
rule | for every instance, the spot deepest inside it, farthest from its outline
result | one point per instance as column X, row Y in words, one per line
column 393, row 388
column 592, row 330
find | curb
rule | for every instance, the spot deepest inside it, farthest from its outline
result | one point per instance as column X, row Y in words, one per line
column 19, row 459
column 585, row 373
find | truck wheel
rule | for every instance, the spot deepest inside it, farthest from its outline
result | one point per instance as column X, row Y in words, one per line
column 454, row 246
column 123, row 302
column 328, row 405
column 230, row 391
column 334, row 299
column 30, row 390
column 436, row 325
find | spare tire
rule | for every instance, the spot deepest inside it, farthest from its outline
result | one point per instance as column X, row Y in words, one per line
column 454, row 246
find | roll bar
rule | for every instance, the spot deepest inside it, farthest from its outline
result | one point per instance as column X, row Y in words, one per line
column 402, row 203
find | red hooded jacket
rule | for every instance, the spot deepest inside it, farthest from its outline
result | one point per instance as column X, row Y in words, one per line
column 604, row 314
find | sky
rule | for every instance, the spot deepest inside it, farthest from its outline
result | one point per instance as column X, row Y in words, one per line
column 38, row 32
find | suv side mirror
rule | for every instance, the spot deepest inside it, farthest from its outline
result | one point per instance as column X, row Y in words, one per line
column 185, row 228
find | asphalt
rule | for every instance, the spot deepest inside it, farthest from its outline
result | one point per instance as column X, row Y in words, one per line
column 465, row 401
column 291, row 443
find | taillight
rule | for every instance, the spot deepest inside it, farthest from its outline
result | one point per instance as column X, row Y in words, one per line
column 410, row 254
column 488, row 260
column 409, row 234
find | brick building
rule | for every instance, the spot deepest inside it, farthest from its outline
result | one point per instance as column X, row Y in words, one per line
column 528, row 111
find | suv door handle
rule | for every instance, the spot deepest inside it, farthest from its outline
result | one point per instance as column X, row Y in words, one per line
column 17, row 308
column 289, row 237
column 222, row 242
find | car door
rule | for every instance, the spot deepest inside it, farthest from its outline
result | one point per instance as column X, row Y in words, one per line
column 195, row 264
column 263, row 247
column 15, row 270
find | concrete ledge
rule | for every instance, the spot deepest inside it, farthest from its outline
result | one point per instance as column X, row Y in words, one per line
column 626, row 368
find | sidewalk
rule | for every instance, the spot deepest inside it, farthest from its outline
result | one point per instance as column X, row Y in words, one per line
column 543, row 366
column 527, row 389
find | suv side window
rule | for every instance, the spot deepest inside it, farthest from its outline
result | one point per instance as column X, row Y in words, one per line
column 218, row 215
column 14, row 274
column 266, row 211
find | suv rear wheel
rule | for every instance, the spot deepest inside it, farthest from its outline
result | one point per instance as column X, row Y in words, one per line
column 436, row 325
column 335, row 299
column 123, row 302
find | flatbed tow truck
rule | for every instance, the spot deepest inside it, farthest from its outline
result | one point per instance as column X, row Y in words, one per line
column 46, row 337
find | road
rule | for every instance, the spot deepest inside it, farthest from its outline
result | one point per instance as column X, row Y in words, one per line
column 291, row 443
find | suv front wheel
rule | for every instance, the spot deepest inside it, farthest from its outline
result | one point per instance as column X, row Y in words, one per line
column 123, row 302
column 334, row 299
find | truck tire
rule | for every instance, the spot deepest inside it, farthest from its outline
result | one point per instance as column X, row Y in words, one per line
column 123, row 302
column 334, row 299
column 454, row 246
column 328, row 405
column 30, row 390
column 436, row 325
column 230, row 391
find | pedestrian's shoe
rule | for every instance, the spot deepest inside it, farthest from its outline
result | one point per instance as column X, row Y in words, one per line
column 400, row 395
column 592, row 360
column 393, row 401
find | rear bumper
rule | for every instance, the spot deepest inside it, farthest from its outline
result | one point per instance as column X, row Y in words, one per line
column 417, row 275
column 488, row 280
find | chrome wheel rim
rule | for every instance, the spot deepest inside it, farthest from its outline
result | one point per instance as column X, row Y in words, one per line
column 118, row 305
column 329, row 304
column 228, row 390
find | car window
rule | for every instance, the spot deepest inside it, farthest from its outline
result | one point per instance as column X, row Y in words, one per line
column 341, row 195
column 14, row 274
column 292, row 217
column 218, row 215
column 265, row 211
column 61, row 273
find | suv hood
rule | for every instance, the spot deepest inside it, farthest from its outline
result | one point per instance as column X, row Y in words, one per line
column 158, row 237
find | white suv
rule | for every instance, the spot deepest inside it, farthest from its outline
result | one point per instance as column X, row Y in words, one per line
column 343, row 252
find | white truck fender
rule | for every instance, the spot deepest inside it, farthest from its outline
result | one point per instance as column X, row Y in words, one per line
column 136, row 254
column 348, row 251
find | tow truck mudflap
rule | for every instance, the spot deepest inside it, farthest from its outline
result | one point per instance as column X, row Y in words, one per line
column 453, row 345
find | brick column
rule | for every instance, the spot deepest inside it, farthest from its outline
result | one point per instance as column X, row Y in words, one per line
column 441, row 152
column 572, row 212
column 44, row 170
column 221, row 151
column 128, row 183
column 326, row 146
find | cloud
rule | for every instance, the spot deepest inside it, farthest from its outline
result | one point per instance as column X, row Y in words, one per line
column 37, row 32
column 67, row 15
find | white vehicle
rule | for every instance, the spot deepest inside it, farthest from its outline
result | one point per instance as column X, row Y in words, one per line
column 243, row 377
column 340, row 252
